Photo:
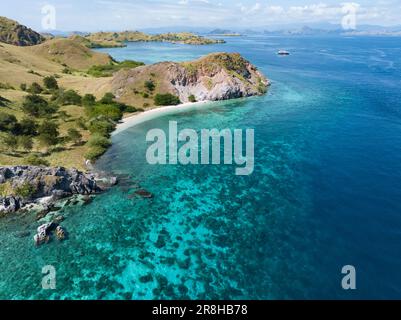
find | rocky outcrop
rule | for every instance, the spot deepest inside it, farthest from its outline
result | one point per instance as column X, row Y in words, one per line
column 218, row 76
column 12, row 32
column 24, row 185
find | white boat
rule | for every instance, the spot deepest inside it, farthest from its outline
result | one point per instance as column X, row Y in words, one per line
column 283, row 53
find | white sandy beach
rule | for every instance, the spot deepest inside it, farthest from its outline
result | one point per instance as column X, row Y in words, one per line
column 155, row 113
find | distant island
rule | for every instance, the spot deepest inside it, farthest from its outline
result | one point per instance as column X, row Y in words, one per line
column 225, row 33
column 118, row 39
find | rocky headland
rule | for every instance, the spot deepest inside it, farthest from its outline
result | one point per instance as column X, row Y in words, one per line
column 22, row 187
column 217, row 76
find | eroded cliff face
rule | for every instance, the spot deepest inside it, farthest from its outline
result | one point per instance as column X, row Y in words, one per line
column 218, row 76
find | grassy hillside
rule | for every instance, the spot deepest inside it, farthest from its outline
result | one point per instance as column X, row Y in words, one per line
column 71, row 53
column 24, row 75
column 99, row 43
column 12, row 32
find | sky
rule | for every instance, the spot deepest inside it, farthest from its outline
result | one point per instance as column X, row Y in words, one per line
column 108, row 15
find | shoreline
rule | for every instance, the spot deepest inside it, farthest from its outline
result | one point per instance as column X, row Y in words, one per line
column 151, row 114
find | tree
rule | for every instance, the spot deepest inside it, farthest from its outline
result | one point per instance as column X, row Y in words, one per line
column 192, row 98
column 48, row 133
column 108, row 111
column 28, row 127
column 94, row 153
column 108, row 98
column 26, row 143
column 50, row 83
column 69, row 97
column 97, row 140
column 103, row 127
column 10, row 141
column 34, row 105
column 89, row 100
column 23, row 86
column 166, row 100
column 150, row 85
column 8, row 122
column 35, row 88
column 74, row 135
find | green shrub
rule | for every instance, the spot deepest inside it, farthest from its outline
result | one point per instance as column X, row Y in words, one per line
column 34, row 160
column 66, row 71
column 50, row 83
column 26, row 190
column 36, row 106
column 88, row 100
column 109, row 69
column 97, row 140
column 6, row 189
column 74, row 135
column 150, row 85
column 10, row 141
column 129, row 109
column 8, row 122
column 112, row 112
column 48, row 133
column 68, row 97
column 25, row 142
column 35, row 88
column 94, row 153
column 23, row 86
column 192, row 98
column 28, row 127
column 103, row 127
column 167, row 99
column 108, row 98
column 145, row 95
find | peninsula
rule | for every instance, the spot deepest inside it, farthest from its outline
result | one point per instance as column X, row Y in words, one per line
column 60, row 102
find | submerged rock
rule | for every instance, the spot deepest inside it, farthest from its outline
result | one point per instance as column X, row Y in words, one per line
column 45, row 232
column 144, row 194
column 61, row 233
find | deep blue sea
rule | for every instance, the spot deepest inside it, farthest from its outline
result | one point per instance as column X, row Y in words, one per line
column 326, row 191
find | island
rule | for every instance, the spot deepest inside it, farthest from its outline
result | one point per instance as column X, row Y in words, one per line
column 60, row 102
column 224, row 33
column 119, row 39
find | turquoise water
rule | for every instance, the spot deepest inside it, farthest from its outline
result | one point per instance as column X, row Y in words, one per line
column 325, row 192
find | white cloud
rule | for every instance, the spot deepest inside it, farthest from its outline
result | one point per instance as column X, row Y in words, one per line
column 138, row 14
